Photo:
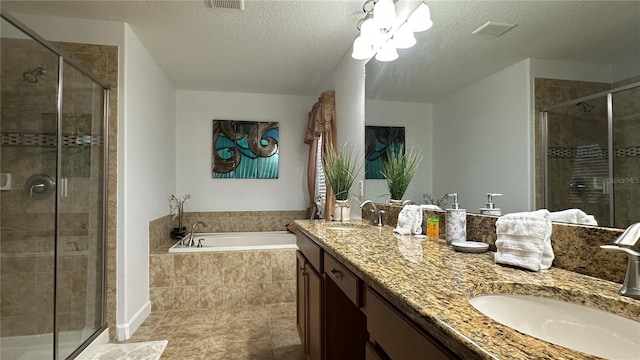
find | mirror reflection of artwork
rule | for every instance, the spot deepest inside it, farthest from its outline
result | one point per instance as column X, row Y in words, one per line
column 379, row 140
column 245, row 149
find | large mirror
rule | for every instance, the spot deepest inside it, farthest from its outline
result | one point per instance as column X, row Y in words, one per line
column 472, row 102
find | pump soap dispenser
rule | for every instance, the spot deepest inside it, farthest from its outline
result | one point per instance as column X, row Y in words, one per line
column 489, row 208
column 456, row 222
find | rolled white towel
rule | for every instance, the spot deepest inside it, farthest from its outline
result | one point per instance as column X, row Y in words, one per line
column 524, row 240
column 409, row 220
column 573, row 216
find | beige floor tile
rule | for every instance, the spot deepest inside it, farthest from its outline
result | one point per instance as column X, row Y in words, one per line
column 188, row 318
column 234, row 332
column 241, row 350
column 195, row 336
column 283, row 328
column 282, row 310
column 184, row 353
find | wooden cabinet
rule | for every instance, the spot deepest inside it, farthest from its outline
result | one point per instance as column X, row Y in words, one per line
column 309, row 298
column 340, row 318
column 393, row 336
column 345, row 324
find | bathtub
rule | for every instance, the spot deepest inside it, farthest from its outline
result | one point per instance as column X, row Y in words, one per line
column 239, row 241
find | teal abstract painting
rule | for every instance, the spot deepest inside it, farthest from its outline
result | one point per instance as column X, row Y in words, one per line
column 245, row 149
column 378, row 141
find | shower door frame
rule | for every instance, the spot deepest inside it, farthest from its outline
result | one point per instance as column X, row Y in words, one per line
column 62, row 59
column 544, row 141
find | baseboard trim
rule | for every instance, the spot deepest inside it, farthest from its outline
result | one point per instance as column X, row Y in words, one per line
column 124, row 331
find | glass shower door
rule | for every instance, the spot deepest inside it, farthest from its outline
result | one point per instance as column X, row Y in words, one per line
column 626, row 159
column 79, row 296
column 28, row 117
column 577, row 167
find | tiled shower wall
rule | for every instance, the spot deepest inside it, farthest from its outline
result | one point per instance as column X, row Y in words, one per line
column 27, row 225
column 221, row 280
column 591, row 125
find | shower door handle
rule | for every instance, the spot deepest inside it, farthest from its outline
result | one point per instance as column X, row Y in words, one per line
column 65, row 187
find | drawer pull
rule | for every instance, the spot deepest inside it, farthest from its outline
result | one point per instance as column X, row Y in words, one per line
column 336, row 274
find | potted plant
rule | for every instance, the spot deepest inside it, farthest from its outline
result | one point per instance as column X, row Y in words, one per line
column 398, row 169
column 340, row 170
column 176, row 204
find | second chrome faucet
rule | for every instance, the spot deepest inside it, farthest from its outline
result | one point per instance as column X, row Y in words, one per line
column 376, row 215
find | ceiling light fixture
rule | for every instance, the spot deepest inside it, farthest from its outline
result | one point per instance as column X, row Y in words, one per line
column 379, row 34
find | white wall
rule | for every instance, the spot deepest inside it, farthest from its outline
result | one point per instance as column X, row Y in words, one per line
column 417, row 118
column 146, row 151
column 483, row 141
column 348, row 83
column 149, row 174
column 625, row 69
column 195, row 112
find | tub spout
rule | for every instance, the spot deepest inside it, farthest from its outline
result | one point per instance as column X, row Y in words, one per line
column 192, row 237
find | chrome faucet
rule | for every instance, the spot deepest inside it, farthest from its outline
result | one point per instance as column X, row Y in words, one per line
column 376, row 215
column 192, row 236
column 629, row 242
column 408, row 202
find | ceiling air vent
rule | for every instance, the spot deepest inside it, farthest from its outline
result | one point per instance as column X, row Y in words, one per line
column 493, row 28
column 226, row 4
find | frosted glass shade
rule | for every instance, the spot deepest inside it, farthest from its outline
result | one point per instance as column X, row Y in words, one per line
column 387, row 52
column 420, row 19
column 404, row 38
column 362, row 50
column 370, row 33
column 384, row 14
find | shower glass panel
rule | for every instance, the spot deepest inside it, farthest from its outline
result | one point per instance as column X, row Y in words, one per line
column 626, row 160
column 52, row 199
column 577, row 159
column 80, row 211
column 28, row 116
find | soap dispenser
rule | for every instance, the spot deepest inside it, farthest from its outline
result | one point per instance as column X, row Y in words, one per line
column 489, row 208
column 456, row 222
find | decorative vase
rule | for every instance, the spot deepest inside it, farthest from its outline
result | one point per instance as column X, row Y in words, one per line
column 178, row 233
column 341, row 210
column 394, row 202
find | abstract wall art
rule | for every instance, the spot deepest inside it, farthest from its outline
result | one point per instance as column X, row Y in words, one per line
column 378, row 141
column 245, row 149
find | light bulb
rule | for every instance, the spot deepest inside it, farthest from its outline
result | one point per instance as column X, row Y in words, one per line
column 361, row 49
column 387, row 52
column 403, row 38
column 420, row 19
column 384, row 14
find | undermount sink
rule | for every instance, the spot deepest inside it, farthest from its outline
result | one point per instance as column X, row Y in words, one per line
column 577, row 327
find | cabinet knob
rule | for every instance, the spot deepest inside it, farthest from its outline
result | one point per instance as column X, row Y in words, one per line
column 336, row 274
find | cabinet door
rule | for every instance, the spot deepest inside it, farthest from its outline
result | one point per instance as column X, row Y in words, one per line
column 314, row 313
column 301, row 286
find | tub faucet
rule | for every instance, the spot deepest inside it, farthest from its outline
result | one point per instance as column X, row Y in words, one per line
column 192, row 237
column 629, row 242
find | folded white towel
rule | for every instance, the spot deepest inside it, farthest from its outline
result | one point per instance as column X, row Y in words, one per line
column 409, row 220
column 574, row 216
column 524, row 240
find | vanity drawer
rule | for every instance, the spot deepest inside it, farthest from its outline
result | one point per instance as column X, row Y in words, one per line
column 346, row 281
column 397, row 336
column 310, row 250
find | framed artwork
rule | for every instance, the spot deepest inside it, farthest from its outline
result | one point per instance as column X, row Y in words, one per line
column 245, row 149
column 379, row 140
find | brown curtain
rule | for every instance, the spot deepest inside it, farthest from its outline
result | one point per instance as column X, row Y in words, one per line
column 322, row 122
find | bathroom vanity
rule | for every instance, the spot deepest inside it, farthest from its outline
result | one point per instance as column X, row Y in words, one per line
column 367, row 293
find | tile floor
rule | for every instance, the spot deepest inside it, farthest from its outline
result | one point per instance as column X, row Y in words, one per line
column 265, row 332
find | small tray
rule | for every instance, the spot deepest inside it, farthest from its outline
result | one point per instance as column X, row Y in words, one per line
column 470, row 246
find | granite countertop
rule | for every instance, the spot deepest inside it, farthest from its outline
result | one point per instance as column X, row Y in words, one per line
column 431, row 284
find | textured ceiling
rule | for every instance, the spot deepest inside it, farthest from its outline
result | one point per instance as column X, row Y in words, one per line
column 281, row 47
column 448, row 57
column 291, row 46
